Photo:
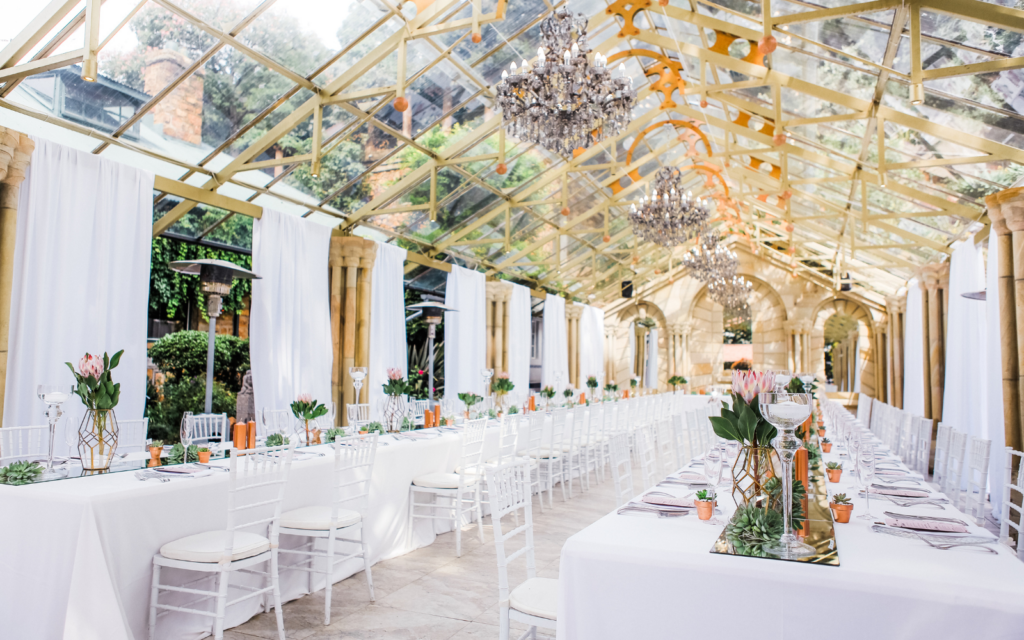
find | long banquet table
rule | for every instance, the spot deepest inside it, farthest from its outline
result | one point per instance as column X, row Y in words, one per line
column 640, row 576
column 76, row 554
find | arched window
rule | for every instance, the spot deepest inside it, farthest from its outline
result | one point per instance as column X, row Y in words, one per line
column 737, row 338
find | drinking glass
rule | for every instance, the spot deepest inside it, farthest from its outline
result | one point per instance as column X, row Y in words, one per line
column 866, row 473
column 805, row 378
column 786, row 411
column 782, row 379
column 53, row 395
column 713, row 474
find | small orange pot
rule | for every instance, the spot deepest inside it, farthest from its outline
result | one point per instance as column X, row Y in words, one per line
column 826, row 447
column 204, row 456
column 821, row 432
column 363, row 433
column 154, row 453
column 841, row 512
column 705, row 509
column 834, row 474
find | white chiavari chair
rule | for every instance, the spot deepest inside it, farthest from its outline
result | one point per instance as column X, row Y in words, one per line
column 923, row 445
column 864, row 408
column 941, row 467
column 276, row 421
column 955, row 465
column 621, row 468
column 358, row 415
column 1012, row 513
column 207, row 428
column 693, row 436
column 552, row 460
column 644, row 443
column 255, row 489
column 976, row 479
column 530, row 448
column 535, row 601
column 455, row 487
column 338, row 522
column 574, row 448
column 24, row 443
column 679, row 441
column 131, row 435
column 666, row 454
column 598, row 444
column 908, row 441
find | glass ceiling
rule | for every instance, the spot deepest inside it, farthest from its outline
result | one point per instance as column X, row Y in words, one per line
column 819, row 155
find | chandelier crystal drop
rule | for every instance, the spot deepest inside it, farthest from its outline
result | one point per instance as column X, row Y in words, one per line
column 709, row 260
column 565, row 101
column 668, row 217
column 732, row 293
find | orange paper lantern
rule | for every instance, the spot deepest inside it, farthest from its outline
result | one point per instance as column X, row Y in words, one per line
column 502, row 169
column 401, row 104
column 476, row 38
column 565, row 211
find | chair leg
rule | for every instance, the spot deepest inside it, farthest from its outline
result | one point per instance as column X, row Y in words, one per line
column 154, row 595
column 276, row 583
column 568, row 474
column 503, row 623
column 412, row 518
column 561, row 474
column 328, row 583
column 222, row 599
column 366, row 563
column 479, row 513
column 458, row 524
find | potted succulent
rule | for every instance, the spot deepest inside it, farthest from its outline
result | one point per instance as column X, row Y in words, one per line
column 374, row 427
column 21, row 472
column 705, row 502
column 204, row 455
column 821, row 431
column 841, row 508
column 826, row 445
column 469, row 399
column 156, row 447
column 547, row 393
column 834, row 471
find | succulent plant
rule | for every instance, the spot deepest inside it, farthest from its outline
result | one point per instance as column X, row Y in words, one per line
column 752, row 528
column 706, row 495
column 276, row 440
column 22, row 472
column 159, row 444
column 178, row 451
column 834, row 466
column 332, row 434
column 375, row 427
column 204, row 450
column 513, row 410
column 826, row 441
column 840, row 498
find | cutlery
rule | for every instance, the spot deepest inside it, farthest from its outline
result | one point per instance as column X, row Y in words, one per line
column 909, row 516
column 943, row 543
column 910, row 502
column 658, row 512
column 895, row 480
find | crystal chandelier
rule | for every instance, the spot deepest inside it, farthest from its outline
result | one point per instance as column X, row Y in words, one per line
column 709, row 260
column 669, row 217
column 564, row 102
column 732, row 293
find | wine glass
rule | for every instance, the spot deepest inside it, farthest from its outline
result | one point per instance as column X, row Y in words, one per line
column 713, row 474
column 866, row 473
column 786, row 411
column 487, row 374
column 358, row 375
column 53, row 395
column 805, row 379
column 782, row 379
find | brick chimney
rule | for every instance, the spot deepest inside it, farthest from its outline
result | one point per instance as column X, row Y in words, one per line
column 181, row 111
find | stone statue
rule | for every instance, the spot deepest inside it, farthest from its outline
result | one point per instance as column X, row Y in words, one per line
column 245, row 408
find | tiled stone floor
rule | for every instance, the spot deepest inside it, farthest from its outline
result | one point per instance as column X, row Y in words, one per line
column 430, row 594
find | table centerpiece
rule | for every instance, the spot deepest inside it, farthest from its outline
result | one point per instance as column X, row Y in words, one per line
column 97, row 434
column 394, row 404
column 306, row 409
column 501, row 386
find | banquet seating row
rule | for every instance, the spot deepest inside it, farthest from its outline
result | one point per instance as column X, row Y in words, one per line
column 33, row 442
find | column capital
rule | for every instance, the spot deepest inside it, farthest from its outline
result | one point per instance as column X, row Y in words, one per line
column 934, row 275
column 994, row 205
column 896, row 304
column 573, row 311
column 1012, row 209
column 344, row 248
column 14, row 172
column 880, row 327
column 791, row 326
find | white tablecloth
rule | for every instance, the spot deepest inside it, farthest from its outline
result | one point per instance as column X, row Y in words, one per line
column 651, row 578
column 76, row 555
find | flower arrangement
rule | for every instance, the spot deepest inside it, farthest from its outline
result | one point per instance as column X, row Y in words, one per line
column 95, row 387
column 306, row 408
column 502, row 384
column 633, row 382
column 21, row 472
column 611, row 387
column 675, row 381
column 396, row 384
column 276, row 440
column 743, row 421
column 567, row 393
column 547, row 392
column 591, row 383
column 706, row 495
column 469, row 399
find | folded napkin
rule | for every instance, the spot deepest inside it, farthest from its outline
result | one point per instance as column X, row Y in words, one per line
column 900, row 492
column 927, row 525
column 669, row 502
column 691, row 475
column 183, row 471
column 890, row 472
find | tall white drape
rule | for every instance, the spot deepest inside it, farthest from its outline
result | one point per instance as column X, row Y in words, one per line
column 555, row 350
column 465, row 337
column 290, row 344
column 81, row 279
column 519, row 337
column 994, row 380
column 651, row 370
column 591, row 344
column 964, row 402
column 387, row 333
column 913, row 351
column 857, row 365
column 631, row 340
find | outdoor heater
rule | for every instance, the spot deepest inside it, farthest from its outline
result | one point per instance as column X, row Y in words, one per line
column 216, row 278
column 433, row 313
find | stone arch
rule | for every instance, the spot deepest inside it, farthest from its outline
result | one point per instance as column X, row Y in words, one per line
column 624, row 317
column 828, row 308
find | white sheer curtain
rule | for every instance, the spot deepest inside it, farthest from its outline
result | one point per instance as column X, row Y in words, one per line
column 631, row 340
column 555, row 350
column 651, row 370
column 465, row 340
column 290, row 344
column 994, row 379
column 913, row 351
column 963, row 398
column 81, row 279
column 387, row 331
column 591, row 344
column 519, row 337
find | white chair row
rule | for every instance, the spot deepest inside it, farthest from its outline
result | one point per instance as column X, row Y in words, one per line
column 33, row 442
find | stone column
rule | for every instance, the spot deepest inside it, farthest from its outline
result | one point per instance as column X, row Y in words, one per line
column 935, row 278
column 641, row 352
column 895, row 308
column 609, row 354
column 1007, row 317
column 15, row 154
column 498, row 295
column 351, row 264
column 878, row 358
column 1013, row 214
column 573, row 312
column 791, row 329
column 805, row 333
column 489, row 313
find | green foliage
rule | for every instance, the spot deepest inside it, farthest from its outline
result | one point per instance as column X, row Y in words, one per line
column 170, row 292
column 840, row 498
column 826, row 441
column 177, row 451
column 183, row 355
column 547, row 393
column 159, row 444
column 408, row 424
column 611, row 388
column 706, row 495
column 310, row 410
column 567, row 393
column 492, row 414
column 633, row 382
column 98, row 393
column 277, row 440
column 795, row 386
column 752, row 528
column 502, row 384
column 184, row 395
column 675, row 381
column 396, row 386
column 591, row 382
column 774, row 489
column 204, row 450
column 832, row 466
column 743, row 423
column 375, row 427
column 513, row 410
column 469, row 399
column 813, row 456
column 21, row 472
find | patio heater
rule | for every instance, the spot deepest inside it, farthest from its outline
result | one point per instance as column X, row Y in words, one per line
column 433, row 313
column 215, row 280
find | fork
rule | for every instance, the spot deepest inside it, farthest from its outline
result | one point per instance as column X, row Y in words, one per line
column 661, row 514
column 947, row 546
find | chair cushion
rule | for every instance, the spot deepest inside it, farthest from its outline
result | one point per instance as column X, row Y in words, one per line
column 543, row 452
column 208, row 546
column 519, row 458
column 536, row 597
column 318, row 518
column 444, row 480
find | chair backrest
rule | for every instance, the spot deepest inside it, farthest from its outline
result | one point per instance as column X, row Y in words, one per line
column 580, row 428
column 942, row 436
column 976, row 479
column 534, row 435
column 358, row 414
column 625, row 407
column 473, row 446
column 679, row 439
column 207, row 427
column 908, row 440
column 255, row 488
column 621, row 468
column 508, row 437
column 1011, row 511
column 596, row 422
column 864, row 408
column 276, row 421
column 666, row 446
column 923, row 444
column 353, row 470
column 419, row 407
column 24, row 443
column 131, row 435
column 508, row 489
column 643, row 441
column 326, row 422
column 556, row 435
column 955, row 465
column 693, row 435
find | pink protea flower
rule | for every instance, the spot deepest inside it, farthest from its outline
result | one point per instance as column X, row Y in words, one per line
column 747, row 384
column 394, row 373
column 91, row 365
column 304, row 397
column 503, row 375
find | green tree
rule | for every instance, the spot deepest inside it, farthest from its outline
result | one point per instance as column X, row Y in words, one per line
column 183, row 355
